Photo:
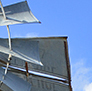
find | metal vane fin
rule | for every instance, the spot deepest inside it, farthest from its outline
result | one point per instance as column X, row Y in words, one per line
column 18, row 13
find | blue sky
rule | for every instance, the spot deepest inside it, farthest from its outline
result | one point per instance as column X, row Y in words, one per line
column 72, row 18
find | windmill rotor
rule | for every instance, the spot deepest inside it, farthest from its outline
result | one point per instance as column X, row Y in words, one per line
column 14, row 17
column 20, row 59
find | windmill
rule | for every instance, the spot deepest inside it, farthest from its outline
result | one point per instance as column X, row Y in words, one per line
column 53, row 76
column 8, row 19
column 9, row 15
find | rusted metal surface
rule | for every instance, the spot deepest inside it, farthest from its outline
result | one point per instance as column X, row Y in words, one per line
column 3, row 62
column 26, row 66
column 18, row 13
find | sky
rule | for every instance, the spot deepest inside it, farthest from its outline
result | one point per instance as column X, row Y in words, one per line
column 72, row 18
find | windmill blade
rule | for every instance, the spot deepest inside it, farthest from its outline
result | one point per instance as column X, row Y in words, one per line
column 5, row 88
column 19, row 55
column 18, row 13
column 23, row 49
column 14, row 82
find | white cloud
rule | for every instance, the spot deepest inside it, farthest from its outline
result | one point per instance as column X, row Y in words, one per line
column 32, row 35
column 80, row 76
column 88, row 87
column 26, row 36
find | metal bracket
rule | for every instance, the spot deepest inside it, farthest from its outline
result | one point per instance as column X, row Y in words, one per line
column 26, row 66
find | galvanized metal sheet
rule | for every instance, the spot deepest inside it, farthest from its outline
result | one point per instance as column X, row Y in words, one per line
column 52, row 55
column 16, row 14
column 33, row 73
column 25, row 50
column 14, row 82
column 43, row 84
column 4, row 87
column 40, row 84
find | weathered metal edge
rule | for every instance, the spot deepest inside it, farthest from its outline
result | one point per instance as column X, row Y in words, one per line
column 61, row 37
column 68, row 64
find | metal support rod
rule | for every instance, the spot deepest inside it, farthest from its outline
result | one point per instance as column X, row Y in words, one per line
column 6, row 70
column 6, row 67
column 2, row 10
column 26, row 66
column 7, row 26
column 9, row 37
column 9, row 58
